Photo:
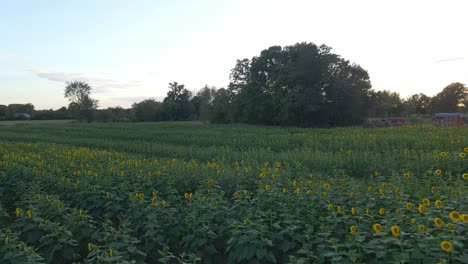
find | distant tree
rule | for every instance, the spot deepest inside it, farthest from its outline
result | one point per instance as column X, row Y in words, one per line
column 78, row 93
column 148, row 110
column 221, row 107
column 417, row 104
column 452, row 98
column 3, row 111
column 384, row 104
column 203, row 103
column 177, row 103
column 14, row 109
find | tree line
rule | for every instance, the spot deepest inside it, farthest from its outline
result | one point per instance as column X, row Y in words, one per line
column 299, row 85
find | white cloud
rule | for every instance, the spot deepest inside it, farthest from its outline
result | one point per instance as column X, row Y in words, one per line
column 99, row 84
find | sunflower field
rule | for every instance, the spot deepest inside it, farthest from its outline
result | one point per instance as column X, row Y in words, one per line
column 195, row 193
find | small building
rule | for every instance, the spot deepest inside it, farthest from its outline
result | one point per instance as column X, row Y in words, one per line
column 396, row 121
column 448, row 119
column 22, row 116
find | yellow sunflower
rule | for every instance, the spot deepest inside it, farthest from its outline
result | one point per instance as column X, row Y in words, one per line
column 465, row 176
column 422, row 228
column 426, row 201
column 438, row 172
column 395, row 230
column 377, row 228
column 381, row 211
column 421, row 209
column 352, row 229
column 438, row 203
column 438, row 222
column 446, row 246
column 464, row 217
column 455, row 216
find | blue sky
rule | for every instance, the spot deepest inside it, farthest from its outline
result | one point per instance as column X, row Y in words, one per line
column 131, row 50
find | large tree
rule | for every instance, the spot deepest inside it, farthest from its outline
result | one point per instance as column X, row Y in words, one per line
column 78, row 93
column 451, row 99
column 303, row 85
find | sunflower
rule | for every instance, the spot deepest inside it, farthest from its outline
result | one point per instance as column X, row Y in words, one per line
column 382, row 192
column 465, row 176
column 236, row 195
column 433, row 189
column 377, row 228
column 436, row 158
column 352, row 229
column 438, row 172
column 285, row 190
column 309, row 192
column 455, row 216
column 339, row 209
column 446, row 246
column 330, row 206
column 421, row 209
column 438, row 203
column 464, row 217
column 381, row 211
column 261, row 175
column 326, row 186
column 395, row 230
column 397, row 190
column 353, row 211
column 90, row 247
column 461, row 154
column 426, row 201
column 443, row 154
column 465, row 149
column 29, row 213
column 164, row 204
column 438, row 222
column 367, row 211
column 267, row 187
column 246, row 192
column 449, row 225
column 421, row 228
column 409, row 205
column 413, row 221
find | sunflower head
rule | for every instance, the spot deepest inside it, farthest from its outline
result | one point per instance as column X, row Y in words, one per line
column 395, row 230
column 455, row 216
column 438, row 222
column 422, row 228
column 377, row 228
column 446, row 246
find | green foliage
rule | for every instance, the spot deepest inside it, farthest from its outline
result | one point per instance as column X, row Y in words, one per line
column 192, row 193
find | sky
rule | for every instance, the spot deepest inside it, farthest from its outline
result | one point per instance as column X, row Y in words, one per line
column 129, row 51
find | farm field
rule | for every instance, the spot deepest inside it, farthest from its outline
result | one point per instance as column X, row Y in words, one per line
column 196, row 193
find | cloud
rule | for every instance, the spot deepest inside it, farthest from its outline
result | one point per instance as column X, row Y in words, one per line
column 99, row 84
column 450, row 59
